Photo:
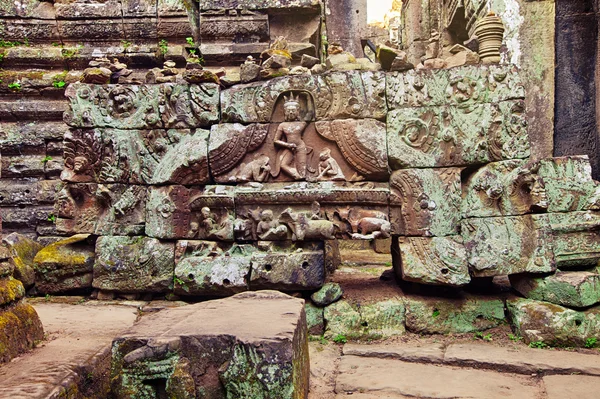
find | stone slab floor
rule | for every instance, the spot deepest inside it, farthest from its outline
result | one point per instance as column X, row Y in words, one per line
column 411, row 366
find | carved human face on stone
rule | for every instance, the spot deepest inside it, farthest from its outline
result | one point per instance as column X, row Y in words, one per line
column 266, row 216
column 205, row 212
column 65, row 204
column 292, row 111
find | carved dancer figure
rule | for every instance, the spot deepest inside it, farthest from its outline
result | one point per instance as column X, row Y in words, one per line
column 328, row 167
column 292, row 158
column 269, row 228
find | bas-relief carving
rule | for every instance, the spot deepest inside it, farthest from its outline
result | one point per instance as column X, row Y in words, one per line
column 435, row 260
column 312, row 211
column 456, row 136
column 425, row 202
column 576, row 238
column 142, row 106
column 174, row 156
column 508, row 245
column 297, row 149
column 230, row 26
column 77, row 208
column 337, row 95
column 196, row 213
column 503, row 189
column 461, row 86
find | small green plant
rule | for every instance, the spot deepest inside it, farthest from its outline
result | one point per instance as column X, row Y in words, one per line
column 4, row 43
column 435, row 313
column 340, row 339
column 15, row 86
column 591, row 342
column 48, row 297
column 480, row 335
column 69, row 53
column 178, row 281
column 163, row 46
column 1, row 57
column 538, row 345
column 52, row 218
column 126, row 44
column 55, row 44
column 46, row 159
column 192, row 51
column 514, row 338
column 60, row 84
column 190, row 41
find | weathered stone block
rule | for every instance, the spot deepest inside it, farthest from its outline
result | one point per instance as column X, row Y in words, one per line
column 288, row 267
column 376, row 320
column 341, row 150
column 436, row 261
column 17, row 138
column 122, row 209
column 32, row 29
column 223, row 348
column 134, row 264
column 22, row 252
column 576, row 239
column 552, row 324
column 105, row 29
column 11, row 290
column 77, row 208
column 208, row 268
column 463, row 86
column 569, row 184
column 425, row 202
column 573, row 289
column 328, row 294
column 314, row 319
column 299, row 5
column 20, row 330
column 180, row 212
column 452, row 316
column 504, row 188
column 142, row 106
column 19, row 166
column 311, row 211
column 508, row 245
column 337, row 95
column 80, row 10
column 456, row 135
column 65, row 265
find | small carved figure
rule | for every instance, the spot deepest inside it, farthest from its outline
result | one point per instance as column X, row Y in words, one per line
column 269, row 228
column 292, row 158
column 256, row 170
column 355, row 217
column 214, row 230
column 328, row 167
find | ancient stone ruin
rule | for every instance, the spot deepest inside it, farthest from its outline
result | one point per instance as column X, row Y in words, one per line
column 197, row 150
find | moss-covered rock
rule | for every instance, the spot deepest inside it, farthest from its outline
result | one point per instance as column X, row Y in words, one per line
column 446, row 316
column 376, row 320
column 65, row 265
column 314, row 319
column 554, row 325
column 23, row 251
column 20, row 329
column 572, row 289
column 11, row 290
column 327, row 295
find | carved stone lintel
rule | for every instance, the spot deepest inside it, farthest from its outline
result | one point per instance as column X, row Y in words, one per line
column 576, row 238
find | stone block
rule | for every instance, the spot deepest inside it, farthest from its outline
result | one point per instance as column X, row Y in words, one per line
column 464, row 86
column 194, row 213
column 569, row 184
column 298, row 6
column 82, row 10
column 336, row 95
column 578, row 289
column 314, row 319
column 65, row 266
column 122, row 209
column 576, row 239
column 552, row 324
column 141, row 28
column 508, row 245
column 341, row 150
column 435, row 261
column 328, row 294
column 27, row 9
column 176, row 27
column 28, row 137
column 231, row 27
column 167, row 105
column 455, row 135
column 288, row 266
column 20, row 330
column 19, row 166
column 208, row 268
column 453, row 316
column 139, row 8
column 77, row 208
column 312, row 211
column 504, row 188
column 105, row 29
column 425, row 202
column 25, row 218
column 32, row 29
column 22, row 253
column 223, row 348
column 19, row 191
column 132, row 265
column 375, row 320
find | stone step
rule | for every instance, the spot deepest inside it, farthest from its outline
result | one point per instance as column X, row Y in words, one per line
column 396, row 379
column 571, row 386
column 521, row 360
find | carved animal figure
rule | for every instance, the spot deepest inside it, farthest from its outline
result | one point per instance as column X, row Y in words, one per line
column 354, row 216
column 374, row 225
column 304, row 228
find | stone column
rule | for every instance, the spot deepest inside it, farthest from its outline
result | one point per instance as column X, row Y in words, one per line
column 346, row 22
